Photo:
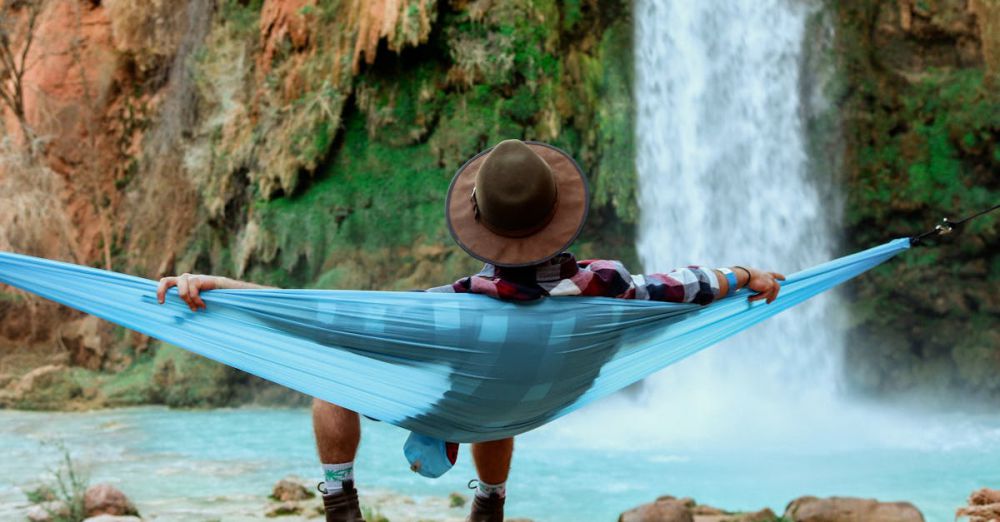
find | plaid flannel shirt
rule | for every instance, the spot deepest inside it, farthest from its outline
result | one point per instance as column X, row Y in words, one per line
column 563, row 275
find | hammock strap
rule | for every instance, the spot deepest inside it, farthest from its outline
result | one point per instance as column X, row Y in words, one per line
column 947, row 226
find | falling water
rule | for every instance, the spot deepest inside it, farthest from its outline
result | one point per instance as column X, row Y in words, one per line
column 725, row 180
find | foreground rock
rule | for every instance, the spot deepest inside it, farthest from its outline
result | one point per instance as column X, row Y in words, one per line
column 984, row 506
column 671, row 509
column 105, row 499
column 291, row 496
column 848, row 509
column 291, row 489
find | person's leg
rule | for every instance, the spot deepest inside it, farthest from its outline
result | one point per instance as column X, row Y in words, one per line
column 492, row 465
column 493, row 460
column 338, row 432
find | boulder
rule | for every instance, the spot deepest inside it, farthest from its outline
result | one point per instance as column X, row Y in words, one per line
column 847, row 509
column 664, row 509
column 984, row 496
column 291, row 489
column 671, row 509
column 105, row 499
column 984, row 506
column 764, row 515
column 112, row 518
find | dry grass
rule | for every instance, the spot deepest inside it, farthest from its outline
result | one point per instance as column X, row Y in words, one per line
column 148, row 30
column 32, row 219
column 33, row 222
column 988, row 18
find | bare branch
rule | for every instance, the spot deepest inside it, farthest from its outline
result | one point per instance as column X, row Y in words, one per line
column 13, row 61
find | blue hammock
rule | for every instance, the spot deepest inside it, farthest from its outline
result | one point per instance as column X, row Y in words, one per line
column 455, row 367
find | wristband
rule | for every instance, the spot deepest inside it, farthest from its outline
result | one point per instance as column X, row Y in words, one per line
column 731, row 279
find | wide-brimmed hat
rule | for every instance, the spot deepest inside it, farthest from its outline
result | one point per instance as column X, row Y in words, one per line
column 517, row 204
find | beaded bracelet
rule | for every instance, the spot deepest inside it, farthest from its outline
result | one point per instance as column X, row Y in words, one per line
column 749, row 275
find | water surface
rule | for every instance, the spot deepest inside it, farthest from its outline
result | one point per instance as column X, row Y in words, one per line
column 221, row 464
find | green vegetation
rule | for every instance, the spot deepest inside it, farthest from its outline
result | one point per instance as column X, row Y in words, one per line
column 372, row 515
column 63, row 497
column 922, row 144
column 345, row 178
column 371, row 216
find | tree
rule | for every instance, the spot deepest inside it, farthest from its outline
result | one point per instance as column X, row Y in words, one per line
column 18, row 22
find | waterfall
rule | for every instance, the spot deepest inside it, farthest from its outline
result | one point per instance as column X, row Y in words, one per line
column 724, row 180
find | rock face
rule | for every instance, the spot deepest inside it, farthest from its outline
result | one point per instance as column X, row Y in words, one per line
column 846, row 509
column 105, row 499
column 258, row 139
column 86, row 342
column 919, row 121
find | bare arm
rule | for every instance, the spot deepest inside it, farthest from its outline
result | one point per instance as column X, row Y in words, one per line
column 189, row 287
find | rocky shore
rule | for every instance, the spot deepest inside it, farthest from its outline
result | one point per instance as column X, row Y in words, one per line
column 293, row 500
column 802, row 509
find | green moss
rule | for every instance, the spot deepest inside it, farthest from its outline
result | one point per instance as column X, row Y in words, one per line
column 10, row 297
column 241, row 17
column 132, row 386
column 616, row 179
column 372, row 198
column 920, row 147
column 183, row 379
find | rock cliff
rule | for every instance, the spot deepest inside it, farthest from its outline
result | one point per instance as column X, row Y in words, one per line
column 291, row 142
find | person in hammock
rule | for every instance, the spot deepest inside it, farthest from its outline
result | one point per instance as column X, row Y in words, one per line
column 517, row 207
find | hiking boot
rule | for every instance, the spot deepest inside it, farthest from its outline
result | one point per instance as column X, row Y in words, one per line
column 342, row 506
column 486, row 509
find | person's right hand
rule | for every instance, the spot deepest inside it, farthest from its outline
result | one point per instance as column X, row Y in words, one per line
column 766, row 284
column 189, row 288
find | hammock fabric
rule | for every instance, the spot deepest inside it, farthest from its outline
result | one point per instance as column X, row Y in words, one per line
column 455, row 367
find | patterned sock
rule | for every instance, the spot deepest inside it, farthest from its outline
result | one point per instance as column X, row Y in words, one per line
column 484, row 490
column 334, row 476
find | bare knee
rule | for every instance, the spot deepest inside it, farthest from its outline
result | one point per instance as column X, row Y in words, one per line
column 329, row 408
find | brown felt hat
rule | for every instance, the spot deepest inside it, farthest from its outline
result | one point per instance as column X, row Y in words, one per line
column 517, row 204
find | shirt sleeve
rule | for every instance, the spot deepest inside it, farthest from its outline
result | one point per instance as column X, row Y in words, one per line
column 693, row 284
column 458, row 287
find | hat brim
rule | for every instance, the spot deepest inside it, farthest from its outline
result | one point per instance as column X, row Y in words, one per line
column 567, row 220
